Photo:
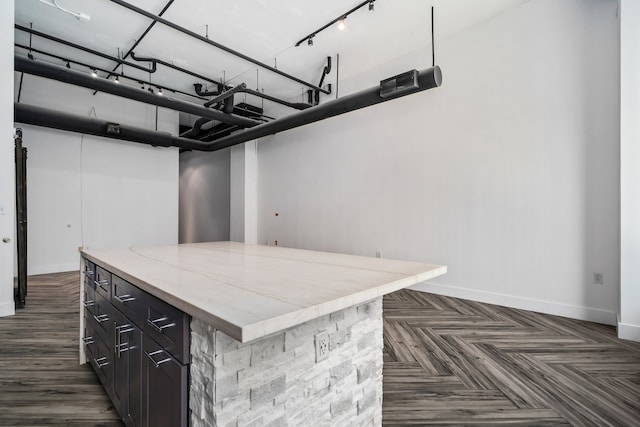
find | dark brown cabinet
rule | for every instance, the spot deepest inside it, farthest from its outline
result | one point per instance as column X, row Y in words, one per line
column 139, row 347
column 164, row 396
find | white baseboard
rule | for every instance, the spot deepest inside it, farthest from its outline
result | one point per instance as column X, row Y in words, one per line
column 54, row 268
column 628, row 332
column 540, row 306
column 7, row 309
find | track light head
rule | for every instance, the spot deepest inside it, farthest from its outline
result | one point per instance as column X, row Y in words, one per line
column 371, row 5
column 160, row 91
column 117, row 80
column 68, row 64
column 341, row 24
column 94, row 72
column 310, row 40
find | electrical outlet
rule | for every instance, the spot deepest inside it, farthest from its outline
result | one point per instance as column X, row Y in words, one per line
column 3, row 210
column 322, row 346
column 378, row 254
column 598, row 278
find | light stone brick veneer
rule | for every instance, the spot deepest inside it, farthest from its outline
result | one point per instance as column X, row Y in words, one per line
column 275, row 381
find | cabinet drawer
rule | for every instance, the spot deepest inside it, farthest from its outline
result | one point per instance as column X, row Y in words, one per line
column 89, row 300
column 102, row 361
column 128, row 299
column 168, row 326
column 90, row 339
column 103, row 318
column 103, row 283
column 88, row 271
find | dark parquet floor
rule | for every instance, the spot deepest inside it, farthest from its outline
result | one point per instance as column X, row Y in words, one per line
column 41, row 382
column 449, row 361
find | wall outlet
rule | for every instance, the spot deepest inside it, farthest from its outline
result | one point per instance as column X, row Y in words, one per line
column 322, row 346
column 598, row 278
column 3, row 210
column 378, row 254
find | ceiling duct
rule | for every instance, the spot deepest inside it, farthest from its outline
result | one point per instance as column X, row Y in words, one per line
column 425, row 79
column 66, row 75
column 38, row 116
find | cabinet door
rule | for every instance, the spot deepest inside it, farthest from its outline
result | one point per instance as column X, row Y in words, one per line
column 129, row 352
column 164, row 396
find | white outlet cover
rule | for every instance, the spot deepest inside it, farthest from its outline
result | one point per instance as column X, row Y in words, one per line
column 322, row 346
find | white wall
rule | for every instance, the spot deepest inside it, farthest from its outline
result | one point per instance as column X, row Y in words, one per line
column 508, row 173
column 629, row 324
column 204, row 196
column 244, row 193
column 7, row 172
column 91, row 191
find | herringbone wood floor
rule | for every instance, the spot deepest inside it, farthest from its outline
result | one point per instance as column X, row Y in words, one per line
column 455, row 362
column 447, row 362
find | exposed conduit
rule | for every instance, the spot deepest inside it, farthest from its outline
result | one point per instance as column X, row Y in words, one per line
column 427, row 79
column 215, row 44
column 67, row 75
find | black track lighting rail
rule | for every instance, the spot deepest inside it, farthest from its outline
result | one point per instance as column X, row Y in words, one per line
column 107, row 72
column 84, row 49
column 309, row 37
column 210, row 42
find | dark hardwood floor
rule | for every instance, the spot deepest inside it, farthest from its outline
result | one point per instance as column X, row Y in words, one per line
column 455, row 362
column 447, row 362
column 41, row 382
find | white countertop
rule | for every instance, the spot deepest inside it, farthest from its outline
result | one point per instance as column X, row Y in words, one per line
column 250, row 291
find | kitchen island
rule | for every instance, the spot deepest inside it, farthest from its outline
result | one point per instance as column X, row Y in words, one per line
column 254, row 335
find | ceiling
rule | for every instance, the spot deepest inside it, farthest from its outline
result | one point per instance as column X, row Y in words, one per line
column 265, row 30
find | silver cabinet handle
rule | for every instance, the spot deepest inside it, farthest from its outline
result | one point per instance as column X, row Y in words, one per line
column 88, row 273
column 120, row 346
column 87, row 341
column 101, row 362
column 101, row 318
column 124, row 298
column 101, row 283
column 157, row 363
column 88, row 303
column 163, row 327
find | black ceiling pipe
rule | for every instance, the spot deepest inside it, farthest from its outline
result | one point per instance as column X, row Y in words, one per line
column 88, row 66
column 294, row 105
column 38, row 116
column 226, row 94
column 196, row 129
column 66, row 75
column 215, row 44
column 155, row 61
column 85, row 49
column 427, row 79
